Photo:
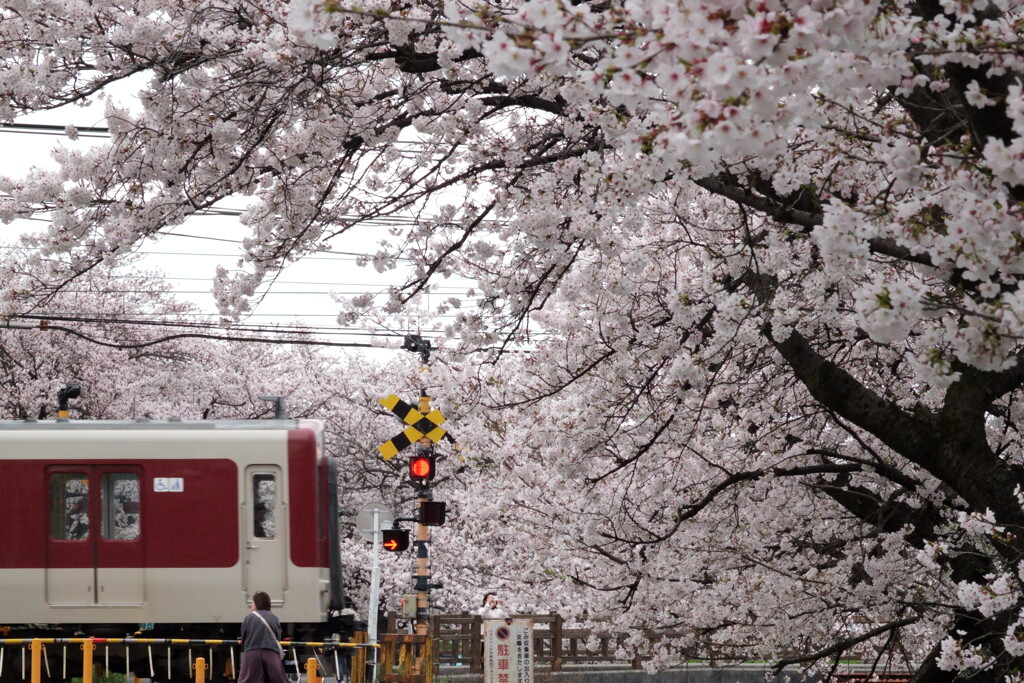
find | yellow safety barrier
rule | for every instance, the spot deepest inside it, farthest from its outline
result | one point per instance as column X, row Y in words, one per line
column 37, row 660
column 36, row 647
column 173, row 641
column 87, row 647
column 311, row 675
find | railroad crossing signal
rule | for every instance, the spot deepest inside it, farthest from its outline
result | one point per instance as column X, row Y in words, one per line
column 420, row 426
column 421, row 467
column 395, row 540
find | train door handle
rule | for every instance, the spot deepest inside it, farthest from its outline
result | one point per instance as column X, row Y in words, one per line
column 251, row 546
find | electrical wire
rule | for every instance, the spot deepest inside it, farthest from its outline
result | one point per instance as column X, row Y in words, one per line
column 104, row 132
column 200, row 335
column 146, row 252
column 332, row 255
column 45, row 322
column 54, row 129
column 452, row 289
column 109, row 319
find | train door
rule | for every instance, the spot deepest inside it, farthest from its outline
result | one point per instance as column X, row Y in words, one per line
column 70, row 551
column 94, row 546
column 120, row 577
column 266, row 533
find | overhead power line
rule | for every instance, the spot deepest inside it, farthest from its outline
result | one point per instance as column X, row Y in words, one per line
column 104, row 132
column 439, row 288
column 364, row 221
column 47, row 323
column 185, row 335
column 50, row 129
column 135, row 320
column 315, row 256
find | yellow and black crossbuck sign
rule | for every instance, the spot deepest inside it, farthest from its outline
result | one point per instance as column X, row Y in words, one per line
column 420, row 426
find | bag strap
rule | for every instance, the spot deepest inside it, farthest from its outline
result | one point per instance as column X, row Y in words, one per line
column 271, row 629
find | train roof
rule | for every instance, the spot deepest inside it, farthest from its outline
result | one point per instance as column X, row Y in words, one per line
column 156, row 425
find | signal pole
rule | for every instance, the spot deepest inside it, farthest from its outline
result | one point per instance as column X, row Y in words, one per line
column 422, row 572
column 423, row 432
column 423, row 347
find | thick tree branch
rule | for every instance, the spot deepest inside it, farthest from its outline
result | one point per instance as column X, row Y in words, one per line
column 843, row 645
column 837, row 389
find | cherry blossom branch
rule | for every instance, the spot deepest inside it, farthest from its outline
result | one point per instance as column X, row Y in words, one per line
column 685, row 512
column 843, row 645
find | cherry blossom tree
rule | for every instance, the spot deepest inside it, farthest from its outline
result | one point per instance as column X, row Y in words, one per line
column 139, row 352
column 762, row 257
column 90, row 334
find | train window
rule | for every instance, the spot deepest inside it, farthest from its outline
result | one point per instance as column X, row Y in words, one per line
column 69, row 506
column 121, row 506
column 264, row 492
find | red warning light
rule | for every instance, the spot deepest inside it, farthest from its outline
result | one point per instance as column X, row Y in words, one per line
column 421, row 467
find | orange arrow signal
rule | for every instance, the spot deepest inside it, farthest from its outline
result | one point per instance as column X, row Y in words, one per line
column 395, row 540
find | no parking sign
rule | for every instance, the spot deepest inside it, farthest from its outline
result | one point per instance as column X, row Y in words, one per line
column 508, row 651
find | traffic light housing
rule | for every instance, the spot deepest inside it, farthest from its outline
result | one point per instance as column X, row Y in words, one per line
column 432, row 512
column 421, row 467
column 395, row 540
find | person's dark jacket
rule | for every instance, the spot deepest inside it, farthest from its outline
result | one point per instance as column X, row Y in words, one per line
column 255, row 635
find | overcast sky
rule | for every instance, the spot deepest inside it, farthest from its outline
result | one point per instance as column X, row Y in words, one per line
column 190, row 254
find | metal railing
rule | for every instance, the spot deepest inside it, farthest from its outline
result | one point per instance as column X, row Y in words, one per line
column 453, row 640
column 200, row 669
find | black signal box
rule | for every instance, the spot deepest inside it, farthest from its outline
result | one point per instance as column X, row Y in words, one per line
column 432, row 512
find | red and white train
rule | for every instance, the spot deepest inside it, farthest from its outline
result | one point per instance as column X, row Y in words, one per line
column 167, row 526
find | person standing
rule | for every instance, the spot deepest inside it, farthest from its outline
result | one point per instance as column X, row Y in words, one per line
column 492, row 608
column 261, row 649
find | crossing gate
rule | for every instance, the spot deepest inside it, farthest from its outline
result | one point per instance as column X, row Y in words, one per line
column 37, row 663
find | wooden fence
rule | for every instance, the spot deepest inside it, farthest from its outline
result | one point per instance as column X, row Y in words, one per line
column 458, row 641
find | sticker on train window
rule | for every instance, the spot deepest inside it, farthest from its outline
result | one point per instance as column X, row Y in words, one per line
column 168, row 484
